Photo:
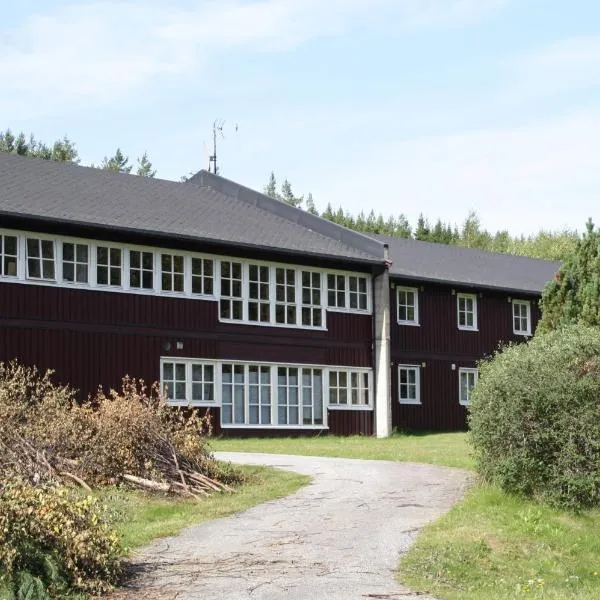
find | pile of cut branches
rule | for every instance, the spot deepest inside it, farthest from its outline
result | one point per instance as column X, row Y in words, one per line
column 131, row 437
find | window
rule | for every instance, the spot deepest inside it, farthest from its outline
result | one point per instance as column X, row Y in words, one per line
column 408, row 305
column 312, row 311
column 357, row 292
column 521, row 317
column 171, row 266
column 467, row 311
column 231, row 304
column 40, row 259
column 203, row 383
column 174, row 382
column 233, row 402
column 259, row 307
column 202, row 276
column 285, row 296
column 109, row 263
column 259, row 395
column 9, row 255
column 409, row 384
column 348, row 388
column 336, row 291
column 467, row 378
column 299, row 396
column 75, row 262
column 141, row 270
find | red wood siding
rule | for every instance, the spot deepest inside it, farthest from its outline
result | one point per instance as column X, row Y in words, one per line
column 93, row 338
column 439, row 344
column 350, row 422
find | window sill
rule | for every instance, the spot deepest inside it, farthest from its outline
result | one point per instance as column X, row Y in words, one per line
column 522, row 333
column 464, row 403
column 261, row 426
column 354, row 311
column 275, row 325
column 409, row 323
column 407, row 403
column 349, row 407
column 468, row 328
column 185, row 404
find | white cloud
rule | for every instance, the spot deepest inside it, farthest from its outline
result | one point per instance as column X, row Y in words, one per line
column 543, row 175
column 99, row 52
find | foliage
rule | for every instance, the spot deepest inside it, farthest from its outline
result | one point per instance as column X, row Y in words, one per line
column 286, row 195
column 534, row 418
column 144, row 168
column 54, row 539
column 574, row 294
column 62, row 150
column 119, row 163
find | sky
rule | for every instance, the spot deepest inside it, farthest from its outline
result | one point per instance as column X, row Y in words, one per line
column 437, row 107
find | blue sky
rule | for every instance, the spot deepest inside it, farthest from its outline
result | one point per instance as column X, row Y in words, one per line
column 403, row 106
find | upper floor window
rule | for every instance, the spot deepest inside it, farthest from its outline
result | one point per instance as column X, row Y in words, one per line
column 141, row 269
column 312, row 309
column 231, row 304
column 336, row 291
column 202, row 276
column 521, row 317
column 357, row 292
column 466, row 305
column 109, row 263
column 285, row 296
column 171, row 266
column 408, row 305
column 467, row 378
column 409, row 384
column 259, row 305
column 9, row 253
column 75, row 262
column 40, row 259
column 174, row 382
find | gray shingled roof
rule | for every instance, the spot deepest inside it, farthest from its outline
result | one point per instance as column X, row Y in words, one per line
column 425, row 261
column 73, row 194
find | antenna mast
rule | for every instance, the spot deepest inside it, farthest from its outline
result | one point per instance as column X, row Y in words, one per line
column 217, row 128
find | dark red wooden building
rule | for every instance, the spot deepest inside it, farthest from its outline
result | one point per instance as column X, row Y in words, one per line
column 273, row 319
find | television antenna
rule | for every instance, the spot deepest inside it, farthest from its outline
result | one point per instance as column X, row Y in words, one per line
column 218, row 127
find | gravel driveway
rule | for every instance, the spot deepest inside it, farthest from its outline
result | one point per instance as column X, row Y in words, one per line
column 338, row 538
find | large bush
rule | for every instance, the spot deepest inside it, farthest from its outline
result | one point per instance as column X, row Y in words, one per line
column 53, row 540
column 535, row 417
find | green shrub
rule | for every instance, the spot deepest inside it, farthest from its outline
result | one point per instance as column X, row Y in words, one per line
column 535, row 418
column 55, row 537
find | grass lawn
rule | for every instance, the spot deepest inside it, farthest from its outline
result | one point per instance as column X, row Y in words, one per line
column 493, row 546
column 142, row 517
column 449, row 449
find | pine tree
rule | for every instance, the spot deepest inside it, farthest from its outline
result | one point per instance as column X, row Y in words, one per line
column 144, row 168
column 271, row 187
column 118, row 162
column 574, row 294
column 310, row 205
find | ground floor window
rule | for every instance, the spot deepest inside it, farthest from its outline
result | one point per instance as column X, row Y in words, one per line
column 467, row 378
column 261, row 395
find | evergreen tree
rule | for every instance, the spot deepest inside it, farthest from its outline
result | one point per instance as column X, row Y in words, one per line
column 288, row 196
column 574, row 294
column 118, row 162
column 423, row 229
column 271, row 187
column 310, row 205
column 144, row 168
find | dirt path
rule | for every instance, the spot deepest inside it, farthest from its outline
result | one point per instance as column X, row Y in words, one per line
column 338, row 538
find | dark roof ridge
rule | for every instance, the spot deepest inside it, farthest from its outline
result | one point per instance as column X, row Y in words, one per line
column 386, row 238
column 342, row 234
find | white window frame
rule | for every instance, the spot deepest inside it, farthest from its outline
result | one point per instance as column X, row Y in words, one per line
column 415, row 291
column 202, row 276
column 325, row 370
column 466, row 371
column 342, row 291
column 416, row 369
column 361, row 280
column 473, row 297
column 75, row 262
column 349, row 388
column 527, row 305
column 109, row 266
column 189, row 364
column 5, row 257
column 56, row 263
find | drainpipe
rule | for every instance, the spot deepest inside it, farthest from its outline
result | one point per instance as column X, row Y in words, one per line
column 381, row 314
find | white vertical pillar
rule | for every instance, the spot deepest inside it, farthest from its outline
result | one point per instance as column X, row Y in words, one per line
column 381, row 315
